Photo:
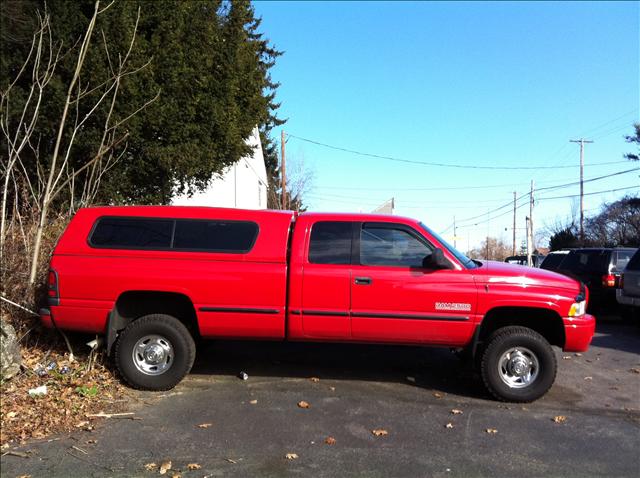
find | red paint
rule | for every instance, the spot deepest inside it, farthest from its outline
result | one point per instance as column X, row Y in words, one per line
column 246, row 294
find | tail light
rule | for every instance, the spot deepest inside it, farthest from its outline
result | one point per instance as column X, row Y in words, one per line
column 52, row 286
column 609, row 280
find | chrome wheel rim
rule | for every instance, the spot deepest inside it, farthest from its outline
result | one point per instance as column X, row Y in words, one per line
column 518, row 367
column 153, row 355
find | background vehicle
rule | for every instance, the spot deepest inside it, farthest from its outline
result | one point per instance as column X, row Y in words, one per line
column 628, row 292
column 521, row 260
column 154, row 278
column 599, row 269
column 553, row 260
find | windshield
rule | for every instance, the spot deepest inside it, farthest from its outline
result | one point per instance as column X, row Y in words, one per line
column 464, row 260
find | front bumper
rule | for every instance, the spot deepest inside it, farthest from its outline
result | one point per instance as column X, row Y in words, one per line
column 578, row 332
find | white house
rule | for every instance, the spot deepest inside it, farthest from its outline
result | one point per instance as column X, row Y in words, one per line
column 242, row 185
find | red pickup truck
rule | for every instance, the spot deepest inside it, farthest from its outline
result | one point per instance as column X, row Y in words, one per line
column 154, row 278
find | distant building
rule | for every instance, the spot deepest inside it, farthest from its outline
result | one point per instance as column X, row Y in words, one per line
column 386, row 207
column 242, row 185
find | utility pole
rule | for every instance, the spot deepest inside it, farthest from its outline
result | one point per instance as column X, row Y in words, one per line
column 582, row 141
column 454, row 232
column 513, row 253
column 531, row 245
column 283, row 170
column 526, row 226
column 488, row 229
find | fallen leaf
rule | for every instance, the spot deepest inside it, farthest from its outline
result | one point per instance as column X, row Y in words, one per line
column 491, row 431
column 588, row 378
column 330, row 441
column 303, row 404
column 11, row 415
column 578, row 355
column 91, row 442
column 333, row 389
column 205, row 425
column 566, row 357
column 455, row 411
column 291, row 456
column 231, row 461
column 150, row 466
column 176, row 475
column 24, row 476
column 194, row 466
column 634, row 370
column 165, row 466
column 314, row 379
column 437, row 394
column 560, row 419
column 379, row 432
column 253, row 402
column 449, row 425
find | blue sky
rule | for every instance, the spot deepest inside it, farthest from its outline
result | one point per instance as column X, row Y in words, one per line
column 472, row 84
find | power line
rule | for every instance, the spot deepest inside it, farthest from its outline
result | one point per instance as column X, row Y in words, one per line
column 588, row 194
column 586, row 133
column 589, row 180
column 441, row 165
column 365, row 201
column 538, row 199
column 464, row 188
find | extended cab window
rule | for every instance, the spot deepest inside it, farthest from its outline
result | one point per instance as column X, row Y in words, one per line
column 174, row 234
column 330, row 243
column 132, row 233
column 215, row 236
column 390, row 246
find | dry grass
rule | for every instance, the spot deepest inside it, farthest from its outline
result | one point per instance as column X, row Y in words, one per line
column 87, row 386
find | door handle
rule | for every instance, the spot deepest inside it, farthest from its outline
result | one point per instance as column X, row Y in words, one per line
column 363, row 281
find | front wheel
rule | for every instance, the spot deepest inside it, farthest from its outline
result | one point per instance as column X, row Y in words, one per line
column 518, row 365
column 155, row 352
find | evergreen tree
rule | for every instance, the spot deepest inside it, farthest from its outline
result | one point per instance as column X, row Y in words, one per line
column 207, row 61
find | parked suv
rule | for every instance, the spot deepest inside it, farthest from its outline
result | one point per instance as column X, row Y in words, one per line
column 553, row 260
column 628, row 292
column 599, row 269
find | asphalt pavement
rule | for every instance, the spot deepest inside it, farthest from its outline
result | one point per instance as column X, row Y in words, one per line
column 587, row 425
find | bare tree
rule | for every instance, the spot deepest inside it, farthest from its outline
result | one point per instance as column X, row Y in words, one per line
column 299, row 183
column 492, row 248
column 58, row 172
column 43, row 60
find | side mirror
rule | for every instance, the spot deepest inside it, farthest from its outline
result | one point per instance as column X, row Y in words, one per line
column 436, row 260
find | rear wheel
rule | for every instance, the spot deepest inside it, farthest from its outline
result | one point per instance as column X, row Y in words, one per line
column 155, row 352
column 518, row 364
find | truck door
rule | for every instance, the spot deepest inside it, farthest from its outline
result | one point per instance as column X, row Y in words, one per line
column 395, row 299
column 326, row 281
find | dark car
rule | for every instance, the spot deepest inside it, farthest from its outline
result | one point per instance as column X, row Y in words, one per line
column 522, row 260
column 599, row 269
column 628, row 293
column 553, row 260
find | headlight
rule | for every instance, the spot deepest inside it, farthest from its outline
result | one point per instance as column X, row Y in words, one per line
column 577, row 308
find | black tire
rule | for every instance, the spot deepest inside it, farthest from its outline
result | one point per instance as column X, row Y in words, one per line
column 169, row 372
column 530, row 343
